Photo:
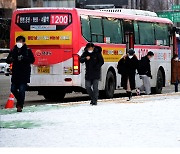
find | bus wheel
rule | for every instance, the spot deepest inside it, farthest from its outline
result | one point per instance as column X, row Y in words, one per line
column 110, row 85
column 54, row 96
column 159, row 83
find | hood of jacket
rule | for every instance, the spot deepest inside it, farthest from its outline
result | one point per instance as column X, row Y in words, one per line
column 96, row 49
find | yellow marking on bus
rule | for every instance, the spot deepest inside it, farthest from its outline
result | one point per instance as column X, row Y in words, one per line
column 46, row 37
column 112, row 54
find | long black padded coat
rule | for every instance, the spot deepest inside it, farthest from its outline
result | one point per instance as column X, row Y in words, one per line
column 127, row 68
column 21, row 70
column 93, row 66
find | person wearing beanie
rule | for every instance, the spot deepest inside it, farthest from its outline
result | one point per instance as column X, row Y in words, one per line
column 93, row 59
column 144, row 71
column 127, row 67
column 21, row 58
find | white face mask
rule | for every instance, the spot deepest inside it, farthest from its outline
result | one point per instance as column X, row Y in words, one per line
column 90, row 51
column 19, row 45
column 176, row 59
column 130, row 57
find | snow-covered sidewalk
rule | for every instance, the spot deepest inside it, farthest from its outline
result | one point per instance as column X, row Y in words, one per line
column 143, row 122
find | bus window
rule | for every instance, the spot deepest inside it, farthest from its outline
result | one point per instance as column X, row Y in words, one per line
column 136, row 32
column 112, row 30
column 127, row 30
column 96, row 29
column 146, row 31
column 162, row 34
column 127, row 26
column 85, row 25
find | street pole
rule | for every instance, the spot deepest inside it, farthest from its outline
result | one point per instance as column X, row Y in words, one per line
column 177, row 72
column 32, row 3
column 134, row 4
column 138, row 4
column 129, row 4
column 177, row 2
column 172, row 11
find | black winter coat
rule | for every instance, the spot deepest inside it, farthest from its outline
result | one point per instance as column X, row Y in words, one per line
column 93, row 65
column 127, row 68
column 144, row 67
column 21, row 69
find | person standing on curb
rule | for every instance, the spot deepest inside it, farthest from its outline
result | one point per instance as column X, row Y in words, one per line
column 127, row 68
column 174, row 64
column 93, row 59
column 21, row 58
column 144, row 71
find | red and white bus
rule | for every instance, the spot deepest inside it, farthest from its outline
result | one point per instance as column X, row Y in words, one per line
column 57, row 37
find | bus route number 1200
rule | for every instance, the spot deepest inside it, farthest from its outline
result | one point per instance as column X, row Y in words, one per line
column 59, row 19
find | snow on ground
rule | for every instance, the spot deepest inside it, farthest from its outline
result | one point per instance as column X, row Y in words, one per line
column 143, row 122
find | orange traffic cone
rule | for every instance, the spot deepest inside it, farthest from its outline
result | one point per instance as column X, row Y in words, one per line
column 10, row 102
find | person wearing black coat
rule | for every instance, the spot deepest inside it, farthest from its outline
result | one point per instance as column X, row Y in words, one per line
column 144, row 71
column 93, row 59
column 21, row 58
column 127, row 68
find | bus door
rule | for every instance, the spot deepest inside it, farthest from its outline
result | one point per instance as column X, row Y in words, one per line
column 175, row 61
column 130, row 41
column 128, row 34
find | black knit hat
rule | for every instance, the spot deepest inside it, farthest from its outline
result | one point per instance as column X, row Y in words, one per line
column 150, row 53
column 88, row 45
column 131, row 52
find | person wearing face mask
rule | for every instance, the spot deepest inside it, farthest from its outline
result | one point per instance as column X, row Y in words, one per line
column 127, row 66
column 144, row 71
column 175, row 79
column 21, row 58
column 93, row 59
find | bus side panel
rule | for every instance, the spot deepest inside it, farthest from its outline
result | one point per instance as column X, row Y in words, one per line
column 77, row 47
column 161, row 60
column 111, row 54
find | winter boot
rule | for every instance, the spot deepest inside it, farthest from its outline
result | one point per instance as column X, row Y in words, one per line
column 91, row 103
column 19, row 109
column 129, row 94
column 94, row 103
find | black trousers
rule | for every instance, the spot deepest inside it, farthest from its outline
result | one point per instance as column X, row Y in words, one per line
column 18, row 91
column 92, row 89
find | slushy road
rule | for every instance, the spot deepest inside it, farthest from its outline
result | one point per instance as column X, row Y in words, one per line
column 33, row 99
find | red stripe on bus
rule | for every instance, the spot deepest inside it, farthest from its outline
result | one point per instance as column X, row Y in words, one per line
column 151, row 47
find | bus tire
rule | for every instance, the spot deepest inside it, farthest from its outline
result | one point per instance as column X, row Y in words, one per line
column 110, row 85
column 159, row 83
column 54, row 96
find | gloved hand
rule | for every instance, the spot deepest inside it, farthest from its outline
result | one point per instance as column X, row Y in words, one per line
column 11, row 59
column 151, row 76
column 20, row 58
column 140, row 77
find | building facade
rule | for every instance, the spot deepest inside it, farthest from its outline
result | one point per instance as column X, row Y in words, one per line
column 6, row 8
column 52, row 3
column 92, row 4
column 23, row 3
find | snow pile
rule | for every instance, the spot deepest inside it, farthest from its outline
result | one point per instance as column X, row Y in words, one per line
column 143, row 122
